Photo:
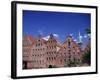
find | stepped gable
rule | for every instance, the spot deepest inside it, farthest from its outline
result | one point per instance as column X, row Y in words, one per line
column 28, row 41
column 40, row 37
column 52, row 38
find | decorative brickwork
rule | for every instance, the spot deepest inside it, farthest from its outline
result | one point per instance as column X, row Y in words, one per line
column 39, row 53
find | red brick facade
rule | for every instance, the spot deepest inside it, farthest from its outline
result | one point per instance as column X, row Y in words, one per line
column 39, row 53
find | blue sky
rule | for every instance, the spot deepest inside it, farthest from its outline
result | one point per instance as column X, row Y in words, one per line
column 61, row 24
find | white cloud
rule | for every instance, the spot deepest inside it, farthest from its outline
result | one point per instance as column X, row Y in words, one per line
column 81, row 37
column 75, row 40
column 71, row 34
column 56, row 35
column 85, row 36
column 46, row 38
column 89, row 35
column 40, row 32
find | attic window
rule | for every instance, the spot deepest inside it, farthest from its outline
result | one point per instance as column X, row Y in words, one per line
column 39, row 40
column 69, row 43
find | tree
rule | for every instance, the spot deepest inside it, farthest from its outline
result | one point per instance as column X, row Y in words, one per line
column 87, row 31
column 72, row 63
column 86, row 58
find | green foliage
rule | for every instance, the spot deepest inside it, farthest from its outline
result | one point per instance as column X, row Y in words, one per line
column 87, row 31
column 72, row 63
column 86, row 58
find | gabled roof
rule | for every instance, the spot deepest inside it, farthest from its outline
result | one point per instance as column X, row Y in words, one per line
column 29, row 39
column 52, row 38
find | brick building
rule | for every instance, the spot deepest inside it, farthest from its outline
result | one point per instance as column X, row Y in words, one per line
column 39, row 53
column 69, row 53
column 27, row 51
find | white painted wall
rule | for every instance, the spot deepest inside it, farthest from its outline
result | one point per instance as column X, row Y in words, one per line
column 5, row 37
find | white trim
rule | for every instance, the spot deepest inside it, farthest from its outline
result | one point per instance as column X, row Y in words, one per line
column 34, row 72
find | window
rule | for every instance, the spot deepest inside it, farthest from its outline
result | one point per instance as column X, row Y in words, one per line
column 74, row 59
column 78, row 60
column 49, row 58
column 38, row 44
column 69, row 62
column 61, row 61
column 69, row 56
column 41, row 44
column 68, row 51
column 64, row 60
column 52, row 58
column 69, row 43
column 74, row 53
column 33, row 49
column 64, row 54
column 49, row 47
